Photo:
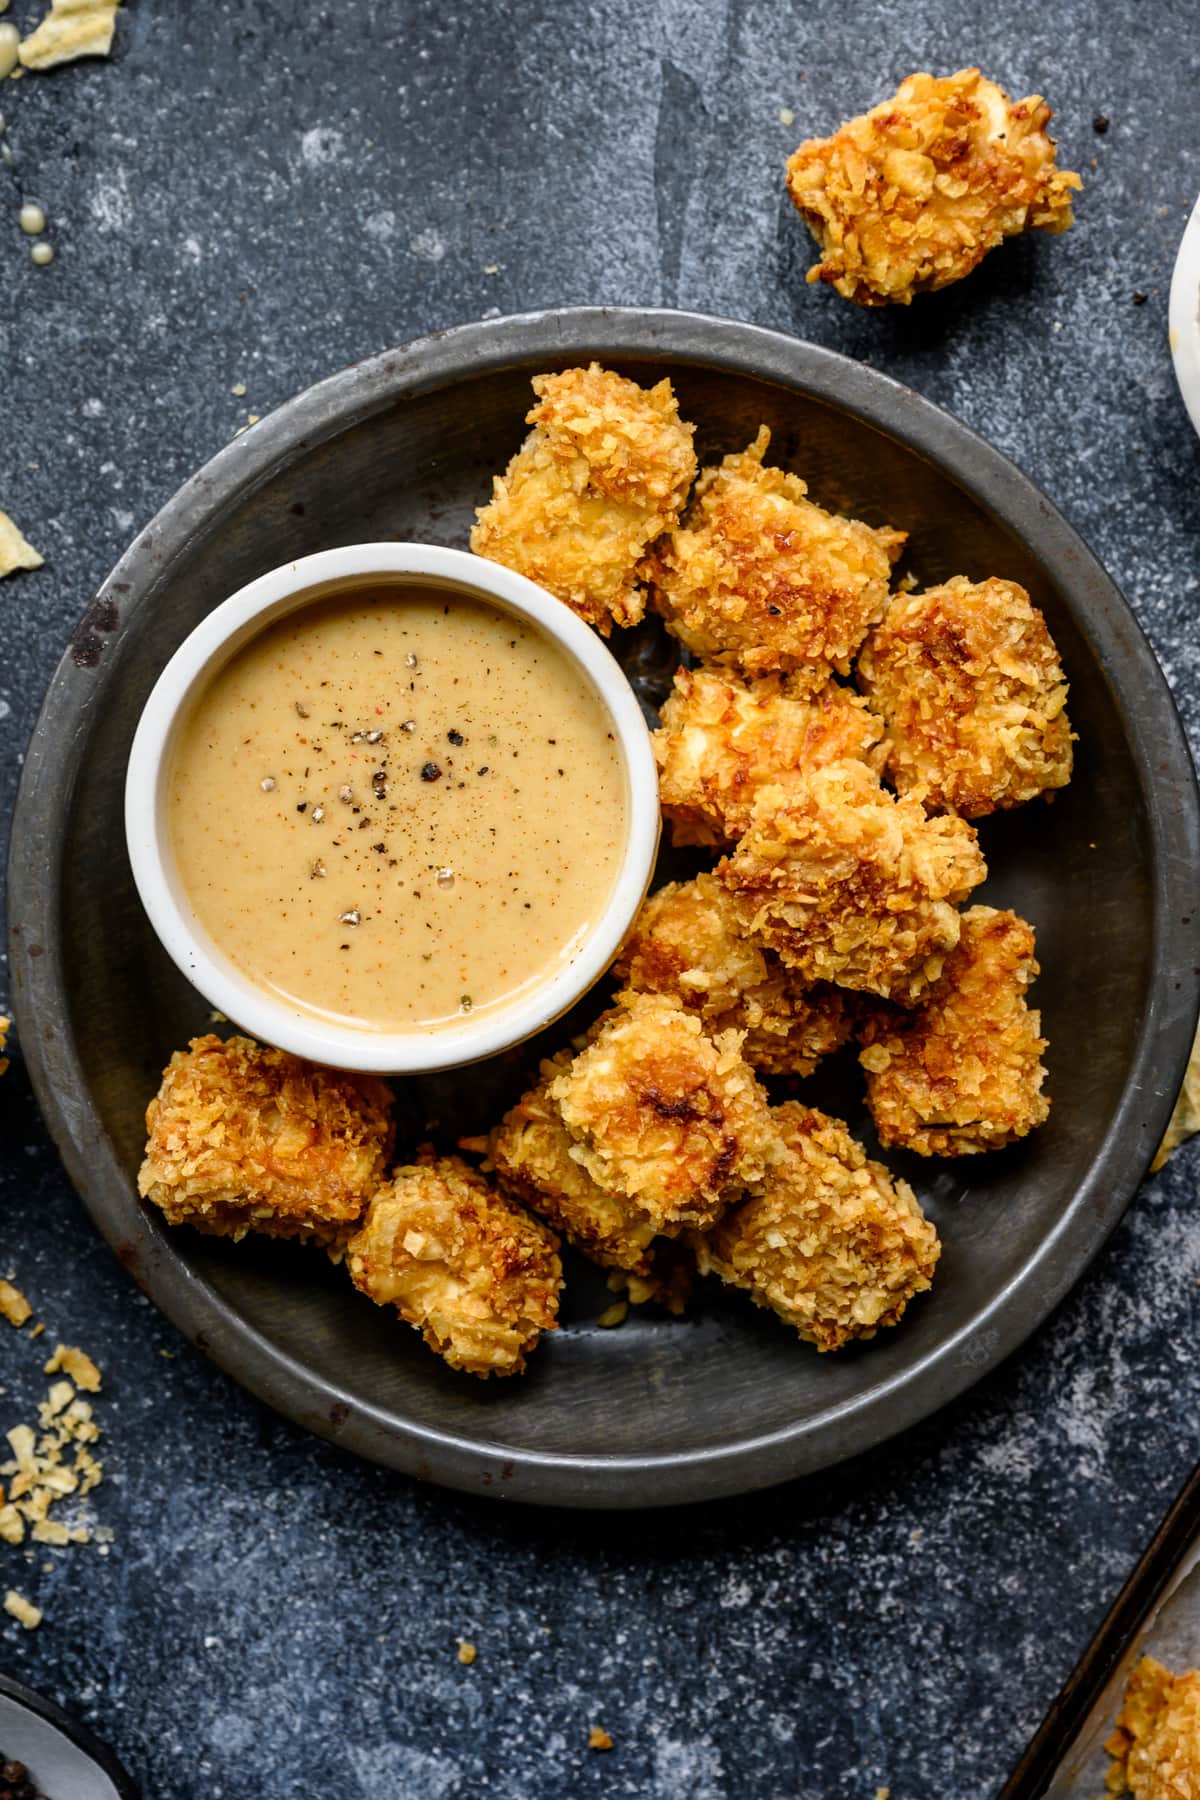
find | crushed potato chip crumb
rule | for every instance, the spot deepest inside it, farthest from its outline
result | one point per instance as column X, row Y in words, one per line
column 466, row 1651
column 71, row 29
column 22, row 1610
column 614, row 1315
column 77, row 1365
column 16, row 552
column 13, row 1304
column 598, row 1738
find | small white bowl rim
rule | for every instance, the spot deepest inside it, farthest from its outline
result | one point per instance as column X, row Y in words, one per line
column 1183, row 316
column 210, row 643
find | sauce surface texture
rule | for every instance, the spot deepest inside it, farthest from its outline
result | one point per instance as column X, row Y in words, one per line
column 397, row 806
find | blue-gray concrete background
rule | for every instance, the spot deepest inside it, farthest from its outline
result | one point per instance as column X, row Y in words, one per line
column 261, row 193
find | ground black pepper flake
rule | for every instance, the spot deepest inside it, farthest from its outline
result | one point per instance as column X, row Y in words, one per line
column 456, row 737
column 382, row 848
column 301, row 710
column 303, row 806
column 379, row 785
column 431, row 772
column 482, row 771
column 1139, row 299
column 1100, row 124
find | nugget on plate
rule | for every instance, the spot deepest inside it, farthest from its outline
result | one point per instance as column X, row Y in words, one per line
column 242, row 1138
column 606, row 468
column 850, row 885
column 759, row 578
column 1156, row 1743
column 911, row 195
column 665, row 1114
column 531, row 1152
column 831, row 1243
column 962, row 1071
column 467, row 1267
column 688, row 941
column 969, row 682
column 722, row 739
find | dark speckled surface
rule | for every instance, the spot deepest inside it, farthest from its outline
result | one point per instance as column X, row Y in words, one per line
column 241, row 197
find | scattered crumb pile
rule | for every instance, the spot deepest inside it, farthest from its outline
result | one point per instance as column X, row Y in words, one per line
column 71, row 29
column 52, row 1465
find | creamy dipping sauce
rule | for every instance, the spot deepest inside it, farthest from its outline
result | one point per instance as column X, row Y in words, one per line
column 397, row 806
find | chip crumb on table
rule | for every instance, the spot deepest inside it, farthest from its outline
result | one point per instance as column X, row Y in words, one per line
column 598, row 1738
column 13, row 1304
column 71, row 29
column 22, row 1610
column 16, row 552
column 467, row 1651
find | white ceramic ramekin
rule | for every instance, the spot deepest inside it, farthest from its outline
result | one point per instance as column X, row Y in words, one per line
column 1184, row 316
column 262, row 1014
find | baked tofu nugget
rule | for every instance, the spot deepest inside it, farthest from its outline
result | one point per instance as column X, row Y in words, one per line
column 468, row 1268
column 242, row 1138
column 759, row 578
column 722, row 739
column 688, row 942
column 1156, row 1743
column 968, row 679
column 913, row 194
column 531, row 1152
column 664, row 1114
column 850, row 885
column 606, row 468
column 832, row 1243
column 963, row 1071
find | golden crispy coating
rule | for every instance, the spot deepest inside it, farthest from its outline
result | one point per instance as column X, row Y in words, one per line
column 832, row 1243
column 962, row 1072
column 475, row 1275
column 1156, row 1744
column 688, row 942
column 850, row 885
column 759, row 578
column 245, row 1138
column 722, row 739
column 969, row 682
column 665, row 1114
column 531, row 1152
column 911, row 195
column 606, row 468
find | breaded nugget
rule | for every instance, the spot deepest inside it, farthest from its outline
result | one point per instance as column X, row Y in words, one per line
column 832, row 1243
column 721, row 739
column 531, row 1152
column 665, row 1114
column 851, row 885
column 962, row 1072
column 969, row 682
column 606, row 468
column 1156, row 1744
column 911, row 195
column 688, row 941
column 759, row 578
column 468, row 1268
column 245, row 1138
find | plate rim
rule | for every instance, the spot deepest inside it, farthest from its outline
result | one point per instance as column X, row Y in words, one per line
column 1014, row 1312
